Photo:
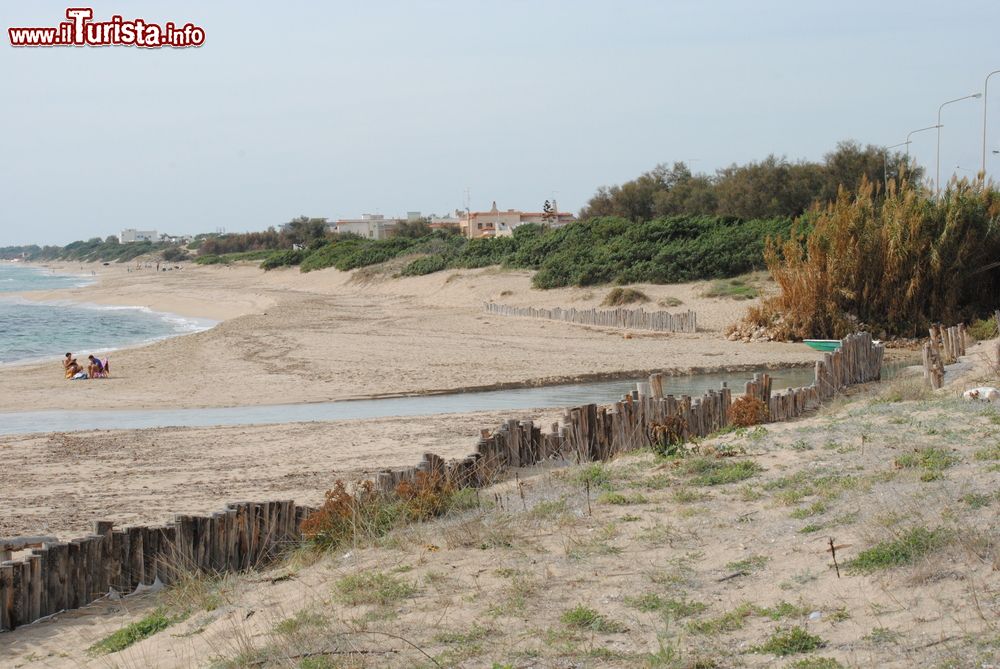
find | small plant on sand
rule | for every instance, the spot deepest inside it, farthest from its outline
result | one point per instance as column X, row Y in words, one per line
column 373, row 587
column 790, row 642
column 882, row 635
column 736, row 289
column 669, row 608
column 906, row 549
column 302, row 620
column 708, row 471
column 156, row 621
column 669, row 301
column 816, row 663
column 668, row 437
column 931, row 460
column 746, row 411
column 727, row 622
column 584, row 618
column 988, row 453
column 982, row 329
column 618, row 498
column 621, row 296
column 750, row 564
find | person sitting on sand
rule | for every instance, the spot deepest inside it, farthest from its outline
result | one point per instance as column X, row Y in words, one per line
column 95, row 368
column 72, row 368
column 67, row 361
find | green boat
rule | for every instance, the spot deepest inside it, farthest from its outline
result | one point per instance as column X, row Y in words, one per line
column 822, row 344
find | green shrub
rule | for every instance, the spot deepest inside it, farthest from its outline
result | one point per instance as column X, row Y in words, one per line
column 982, row 329
column 707, row 471
column 791, row 642
column 155, row 622
column 905, row 549
column 425, row 265
column 735, row 289
column 582, row 617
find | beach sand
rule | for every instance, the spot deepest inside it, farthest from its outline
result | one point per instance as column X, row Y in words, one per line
column 288, row 337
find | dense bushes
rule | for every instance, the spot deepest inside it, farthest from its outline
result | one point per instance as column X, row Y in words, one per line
column 890, row 264
column 604, row 250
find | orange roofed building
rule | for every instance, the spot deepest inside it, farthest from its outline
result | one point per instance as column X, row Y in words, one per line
column 496, row 223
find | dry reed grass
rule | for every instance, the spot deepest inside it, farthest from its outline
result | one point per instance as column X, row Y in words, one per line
column 893, row 263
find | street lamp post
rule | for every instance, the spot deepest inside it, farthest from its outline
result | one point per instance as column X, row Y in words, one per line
column 885, row 160
column 937, row 178
column 986, row 85
column 911, row 134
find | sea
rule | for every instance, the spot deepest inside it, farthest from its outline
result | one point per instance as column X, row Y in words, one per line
column 34, row 331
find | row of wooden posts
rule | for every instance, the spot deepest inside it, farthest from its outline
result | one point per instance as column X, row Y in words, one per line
column 56, row 575
column 943, row 348
column 593, row 432
column 628, row 319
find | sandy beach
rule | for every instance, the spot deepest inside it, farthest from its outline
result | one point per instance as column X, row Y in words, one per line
column 287, row 337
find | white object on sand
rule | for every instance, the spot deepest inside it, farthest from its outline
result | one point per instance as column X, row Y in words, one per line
column 982, row 394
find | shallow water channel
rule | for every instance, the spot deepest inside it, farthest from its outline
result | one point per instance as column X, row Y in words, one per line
column 568, row 395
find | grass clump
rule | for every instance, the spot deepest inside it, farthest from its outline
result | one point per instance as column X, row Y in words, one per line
column 300, row 621
column 930, row 459
column 669, row 301
column 790, row 642
column 904, row 550
column 982, row 329
column 373, row 587
column 596, row 474
column 707, row 471
column 157, row 621
column 750, row 564
column 618, row 297
column 977, row 500
column 988, row 453
column 736, row 289
column 584, row 618
column 619, row 499
column 816, row 663
column 475, row 633
column 669, row 608
column 730, row 621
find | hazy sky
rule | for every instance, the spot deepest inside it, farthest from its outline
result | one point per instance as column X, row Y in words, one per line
column 338, row 108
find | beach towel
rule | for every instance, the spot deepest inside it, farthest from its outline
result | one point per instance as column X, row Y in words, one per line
column 78, row 376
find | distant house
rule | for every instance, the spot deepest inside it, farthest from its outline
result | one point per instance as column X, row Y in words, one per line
column 370, row 226
column 496, row 223
column 131, row 235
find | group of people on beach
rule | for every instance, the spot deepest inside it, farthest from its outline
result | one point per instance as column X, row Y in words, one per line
column 96, row 369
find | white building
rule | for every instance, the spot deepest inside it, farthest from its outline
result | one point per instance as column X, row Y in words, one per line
column 130, row 235
column 370, row 226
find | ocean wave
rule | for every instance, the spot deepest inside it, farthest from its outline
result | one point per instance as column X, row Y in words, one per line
column 153, row 326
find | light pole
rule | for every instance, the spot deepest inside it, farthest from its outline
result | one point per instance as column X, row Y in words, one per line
column 885, row 161
column 937, row 178
column 908, row 142
column 986, row 85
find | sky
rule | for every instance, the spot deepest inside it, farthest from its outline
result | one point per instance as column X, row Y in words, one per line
column 335, row 109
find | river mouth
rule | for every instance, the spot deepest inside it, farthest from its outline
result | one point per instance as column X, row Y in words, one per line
column 516, row 399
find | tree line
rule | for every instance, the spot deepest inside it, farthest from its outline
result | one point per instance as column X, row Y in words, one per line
column 770, row 188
